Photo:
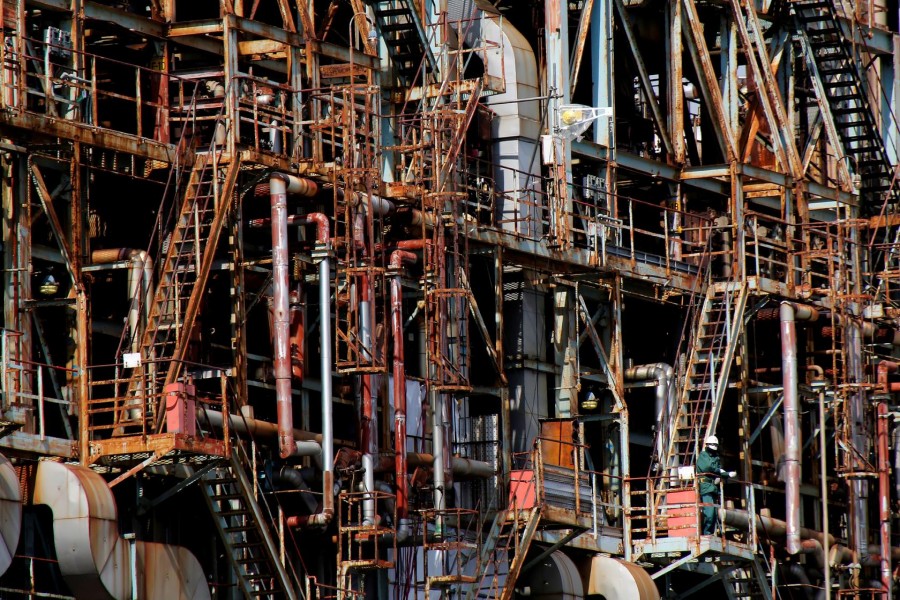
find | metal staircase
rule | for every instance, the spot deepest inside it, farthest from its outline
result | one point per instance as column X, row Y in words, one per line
column 503, row 553
column 707, row 372
column 191, row 247
column 406, row 41
column 748, row 581
column 241, row 523
column 841, row 93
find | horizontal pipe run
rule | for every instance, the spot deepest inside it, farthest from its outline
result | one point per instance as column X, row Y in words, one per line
column 462, row 467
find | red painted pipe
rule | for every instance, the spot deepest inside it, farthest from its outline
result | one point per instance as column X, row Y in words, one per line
column 882, row 451
column 398, row 257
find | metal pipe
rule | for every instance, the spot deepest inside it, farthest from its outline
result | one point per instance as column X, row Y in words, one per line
column 250, row 426
column 823, row 491
column 662, row 373
column 369, row 422
column 884, row 495
column 280, row 184
column 859, row 440
column 398, row 257
column 140, row 278
column 379, row 206
column 323, row 239
column 281, row 314
column 460, row 466
column 895, row 444
column 882, row 451
column 789, row 313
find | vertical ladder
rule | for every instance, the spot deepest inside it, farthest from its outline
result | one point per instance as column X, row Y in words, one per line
column 510, row 537
column 708, row 371
column 406, row 40
column 241, row 523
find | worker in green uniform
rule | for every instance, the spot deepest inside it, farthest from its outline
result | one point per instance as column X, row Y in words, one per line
column 709, row 469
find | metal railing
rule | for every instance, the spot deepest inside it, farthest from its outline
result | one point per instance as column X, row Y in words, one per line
column 49, row 77
column 606, row 225
column 566, row 484
column 24, row 382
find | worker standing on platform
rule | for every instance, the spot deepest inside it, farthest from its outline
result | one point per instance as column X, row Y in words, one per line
column 709, row 469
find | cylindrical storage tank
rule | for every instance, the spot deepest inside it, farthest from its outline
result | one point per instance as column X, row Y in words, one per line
column 556, row 576
column 615, row 579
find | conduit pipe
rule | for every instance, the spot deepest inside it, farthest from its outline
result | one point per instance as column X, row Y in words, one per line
column 789, row 313
column 398, row 258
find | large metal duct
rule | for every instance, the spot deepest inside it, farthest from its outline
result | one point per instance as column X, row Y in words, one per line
column 616, row 579
column 10, row 513
column 555, row 576
column 95, row 562
column 516, row 126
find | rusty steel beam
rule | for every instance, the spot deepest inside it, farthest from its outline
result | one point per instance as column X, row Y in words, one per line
column 770, row 99
column 643, row 76
column 89, row 135
column 709, row 83
column 584, row 22
column 55, row 224
column 130, row 21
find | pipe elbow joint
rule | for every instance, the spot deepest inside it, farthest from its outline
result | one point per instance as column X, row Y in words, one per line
column 323, row 228
column 792, row 311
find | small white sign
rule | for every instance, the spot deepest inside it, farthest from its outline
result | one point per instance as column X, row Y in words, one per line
column 131, row 360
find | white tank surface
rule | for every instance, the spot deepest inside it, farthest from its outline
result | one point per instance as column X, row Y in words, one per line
column 10, row 513
column 619, row 580
column 94, row 559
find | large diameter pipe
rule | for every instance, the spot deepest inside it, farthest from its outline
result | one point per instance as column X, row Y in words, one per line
column 664, row 376
column 253, row 427
column 398, row 257
column 789, row 313
column 882, row 451
column 281, row 314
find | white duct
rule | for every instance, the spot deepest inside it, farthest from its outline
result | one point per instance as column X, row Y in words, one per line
column 516, row 125
column 616, row 579
column 10, row 513
column 555, row 577
column 94, row 560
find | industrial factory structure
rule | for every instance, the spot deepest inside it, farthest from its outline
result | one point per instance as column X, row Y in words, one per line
column 309, row 299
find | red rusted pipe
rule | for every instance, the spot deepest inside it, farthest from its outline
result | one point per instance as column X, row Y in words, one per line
column 398, row 257
column 882, row 451
column 281, row 314
column 279, row 186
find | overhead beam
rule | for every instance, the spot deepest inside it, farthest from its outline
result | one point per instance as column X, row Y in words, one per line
column 132, row 22
column 644, row 78
column 709, row 85
column 584, row 22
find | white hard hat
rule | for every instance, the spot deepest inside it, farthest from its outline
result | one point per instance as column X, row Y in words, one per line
column 712, row 441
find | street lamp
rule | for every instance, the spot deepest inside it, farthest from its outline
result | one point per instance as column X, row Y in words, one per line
column 574, row 119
